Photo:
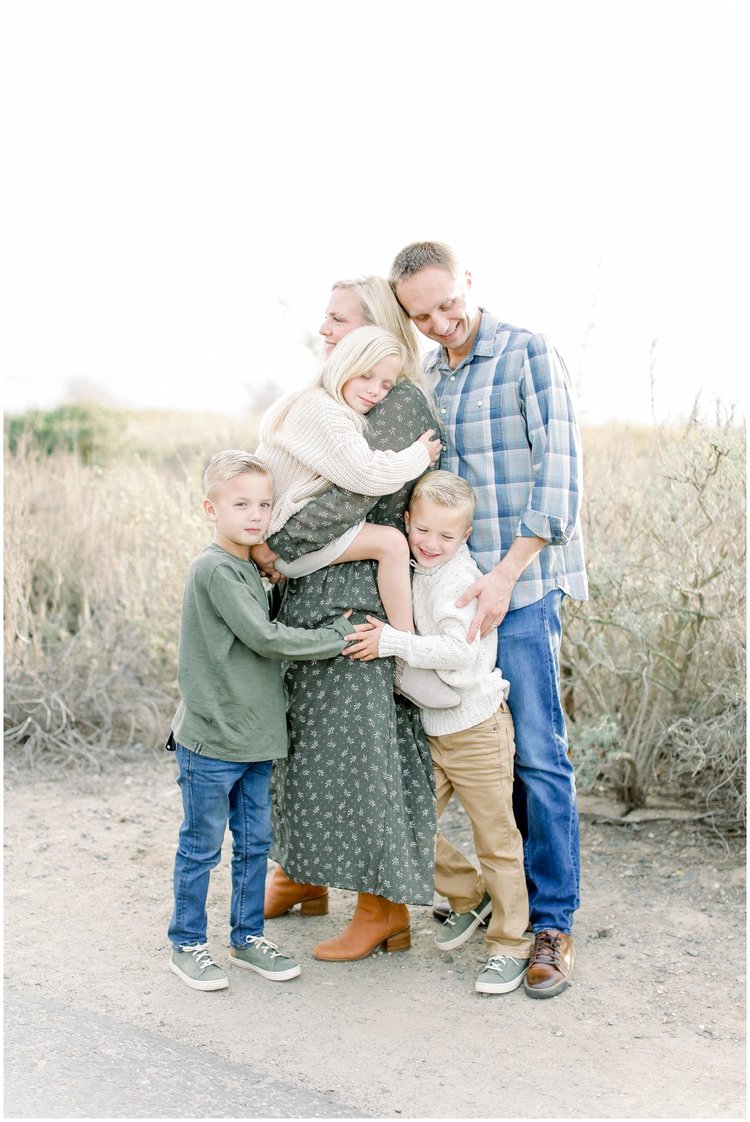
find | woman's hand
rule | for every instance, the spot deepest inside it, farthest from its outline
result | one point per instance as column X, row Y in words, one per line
column 366, row 637
column 432, row 443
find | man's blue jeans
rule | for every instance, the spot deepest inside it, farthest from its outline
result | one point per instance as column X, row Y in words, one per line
column 215, row 792
column 544, row 799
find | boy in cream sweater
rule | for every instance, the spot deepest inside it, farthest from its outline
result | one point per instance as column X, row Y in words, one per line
column 472, row 743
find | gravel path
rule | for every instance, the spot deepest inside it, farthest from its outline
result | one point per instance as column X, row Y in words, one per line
column 654, row 1026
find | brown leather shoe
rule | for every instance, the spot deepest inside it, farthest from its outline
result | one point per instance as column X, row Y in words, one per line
column 551, row 965
column 282, row 893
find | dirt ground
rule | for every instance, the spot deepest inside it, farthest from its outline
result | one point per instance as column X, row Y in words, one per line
column 654, row 1025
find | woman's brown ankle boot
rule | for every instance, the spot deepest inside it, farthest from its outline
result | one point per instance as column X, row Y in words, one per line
column 376, row 923
column 282, row 894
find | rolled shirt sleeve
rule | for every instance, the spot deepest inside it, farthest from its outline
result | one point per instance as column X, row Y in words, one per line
column 553, row 508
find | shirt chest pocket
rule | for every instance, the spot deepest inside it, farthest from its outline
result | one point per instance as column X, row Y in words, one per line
column 477, row 421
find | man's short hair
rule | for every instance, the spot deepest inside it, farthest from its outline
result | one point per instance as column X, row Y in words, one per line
column 423, row 255
column 225, row 465
column 446, row 489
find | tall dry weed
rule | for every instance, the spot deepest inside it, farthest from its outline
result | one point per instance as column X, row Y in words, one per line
column 654, row 663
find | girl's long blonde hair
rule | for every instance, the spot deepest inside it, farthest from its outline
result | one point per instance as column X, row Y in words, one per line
column 353, row 356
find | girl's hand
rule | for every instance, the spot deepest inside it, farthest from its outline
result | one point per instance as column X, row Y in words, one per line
column 432, row 443
column 366, row 637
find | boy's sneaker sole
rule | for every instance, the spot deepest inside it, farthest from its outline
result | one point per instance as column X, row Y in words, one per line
column 271, row 975
column 196, row 984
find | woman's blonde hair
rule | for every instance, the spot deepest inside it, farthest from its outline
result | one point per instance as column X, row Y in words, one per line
column 353, row 356
column 380, row 308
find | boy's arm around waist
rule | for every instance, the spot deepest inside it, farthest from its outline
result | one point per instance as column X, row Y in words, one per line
column 445, row 650
column 441, row 642
column 247, row 619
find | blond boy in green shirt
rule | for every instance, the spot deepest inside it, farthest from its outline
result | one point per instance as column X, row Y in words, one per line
column 230, row 725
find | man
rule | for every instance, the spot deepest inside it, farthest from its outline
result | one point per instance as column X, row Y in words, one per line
column 505, row 400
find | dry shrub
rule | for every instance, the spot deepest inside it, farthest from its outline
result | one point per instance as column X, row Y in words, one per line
column 654, row 663
column 95, row 559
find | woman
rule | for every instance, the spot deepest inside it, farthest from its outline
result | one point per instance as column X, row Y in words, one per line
column 354, row 801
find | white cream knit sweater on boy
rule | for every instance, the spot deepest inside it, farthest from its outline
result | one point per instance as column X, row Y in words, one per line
column 321, row 444
column 441, row 645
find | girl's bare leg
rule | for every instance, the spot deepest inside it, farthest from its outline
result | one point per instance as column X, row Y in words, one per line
column 389, row 547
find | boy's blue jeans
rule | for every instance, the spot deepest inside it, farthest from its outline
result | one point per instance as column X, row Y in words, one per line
column 215, row 792
column 544, row 801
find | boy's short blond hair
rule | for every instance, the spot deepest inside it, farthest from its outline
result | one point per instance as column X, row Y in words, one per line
column 225, row 465
column 445, row 489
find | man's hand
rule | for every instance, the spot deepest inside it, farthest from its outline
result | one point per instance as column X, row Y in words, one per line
column 492, row 593
column 264, row 557
column 366, row 637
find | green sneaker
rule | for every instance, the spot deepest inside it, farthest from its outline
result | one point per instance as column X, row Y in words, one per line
column 265, row 959
column 197, row 968
column 460, row 926
column 501, row 974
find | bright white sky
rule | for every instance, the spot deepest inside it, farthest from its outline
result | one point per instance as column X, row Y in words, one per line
column 185, row 180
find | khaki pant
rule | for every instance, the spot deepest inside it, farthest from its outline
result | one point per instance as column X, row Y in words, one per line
column 477, row 764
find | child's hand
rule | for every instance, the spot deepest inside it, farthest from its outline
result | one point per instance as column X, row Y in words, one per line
column 264, row 558
column 432, row 443
column 366, row 637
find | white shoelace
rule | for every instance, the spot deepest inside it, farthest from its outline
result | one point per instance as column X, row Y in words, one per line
column 265, row 946
column 202, row 957
column 451, row 920
column 497, row 961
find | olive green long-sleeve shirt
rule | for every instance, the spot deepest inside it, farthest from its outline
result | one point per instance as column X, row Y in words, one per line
column 229, row 673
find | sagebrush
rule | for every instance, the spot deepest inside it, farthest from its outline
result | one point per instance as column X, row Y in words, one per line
column 653, row 664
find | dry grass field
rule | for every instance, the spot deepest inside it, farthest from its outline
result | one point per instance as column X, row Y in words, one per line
column 99, row 532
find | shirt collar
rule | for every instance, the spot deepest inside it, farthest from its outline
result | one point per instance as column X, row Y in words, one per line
column 483, row 345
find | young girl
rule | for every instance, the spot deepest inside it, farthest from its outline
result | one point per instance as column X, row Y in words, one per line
column 316, row 438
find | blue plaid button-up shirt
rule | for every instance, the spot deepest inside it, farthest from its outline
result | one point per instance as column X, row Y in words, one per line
column 511, row 433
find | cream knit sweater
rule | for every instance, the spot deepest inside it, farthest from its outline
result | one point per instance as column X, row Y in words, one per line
column 321, row 444
column 441, row 645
